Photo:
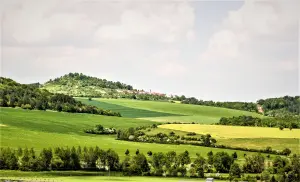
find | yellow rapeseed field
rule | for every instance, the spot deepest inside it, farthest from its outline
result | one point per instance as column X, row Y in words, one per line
column 220, row 131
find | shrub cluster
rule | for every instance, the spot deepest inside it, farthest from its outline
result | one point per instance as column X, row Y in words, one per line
column 268, row 150
column 99, row 129
column 137, row 135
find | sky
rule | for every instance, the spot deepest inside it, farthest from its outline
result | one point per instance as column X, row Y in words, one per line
column 211, row 50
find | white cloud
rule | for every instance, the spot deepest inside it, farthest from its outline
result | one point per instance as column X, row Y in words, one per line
column 166, row 23
column 155, row 44
column 167, row 63
column 32, row 21
column 269, row 20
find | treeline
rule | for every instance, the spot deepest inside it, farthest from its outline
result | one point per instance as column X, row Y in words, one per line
column 284, row 122
column 89, row 81
column 280, row 106
column 156, row 164
column 13, row 94
column 138, row 135
column 245, row 106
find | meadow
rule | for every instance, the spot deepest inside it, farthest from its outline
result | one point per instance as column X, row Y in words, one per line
column 182, row 112
column 127, row 112
column 236, row 136
column 76, row 176
column 241, row 136
column 42, row 129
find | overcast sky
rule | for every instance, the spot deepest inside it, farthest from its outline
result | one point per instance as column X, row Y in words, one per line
column 221, row 50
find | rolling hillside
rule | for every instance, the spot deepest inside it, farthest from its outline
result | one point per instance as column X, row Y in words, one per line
column 42, row 129
column 177, row 112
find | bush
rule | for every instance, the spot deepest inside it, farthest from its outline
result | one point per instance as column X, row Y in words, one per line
column 26, row 106
column 191, row 134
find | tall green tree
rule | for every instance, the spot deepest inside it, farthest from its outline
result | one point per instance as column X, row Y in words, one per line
column 222, row 162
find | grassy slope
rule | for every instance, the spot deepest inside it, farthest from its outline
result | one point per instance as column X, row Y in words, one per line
column 126, row 111
column 41, row 129
column 193, row 113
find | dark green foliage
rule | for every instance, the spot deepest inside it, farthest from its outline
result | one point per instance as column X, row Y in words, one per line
column 170, row 164
column 8, row 159
column 184, row 158
column 294, row 174
column 286, row 151
column 277, row 107
column 234, row 155
column 281, row 122
column 112, row 160
column 222, row 162
column 199, row 166
column 265, row 175
column 99, row 129
column 158, row 161
column 279, row 164
column 191, row 134
column 210, row 156
column 137, row 151
column 281, row 105
column 89, row 81
column 44, row 160
column 13, row 94
column 235, row 171
column 246, row 106
column 139, row 165
column 254, row 164
column 149, row 153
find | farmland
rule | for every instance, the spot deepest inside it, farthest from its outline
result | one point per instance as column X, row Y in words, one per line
column 236, row 136
column 43, row 129
column 220, row 131
column 40, row 129
column 182, row 112
column 239, row 136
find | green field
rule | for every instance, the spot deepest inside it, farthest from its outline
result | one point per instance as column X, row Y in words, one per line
column 192, row 113
column 127, row 112
column 39, row 129
column 76, row 176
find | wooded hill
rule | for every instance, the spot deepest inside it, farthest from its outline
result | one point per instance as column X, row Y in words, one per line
column 80, row 85
column 13, row 94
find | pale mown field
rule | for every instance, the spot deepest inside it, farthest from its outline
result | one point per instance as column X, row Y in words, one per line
column 246, row 137
column 220, row 131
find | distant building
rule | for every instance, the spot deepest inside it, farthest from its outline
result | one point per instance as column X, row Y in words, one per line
column 260, row 109
column 209, row 180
